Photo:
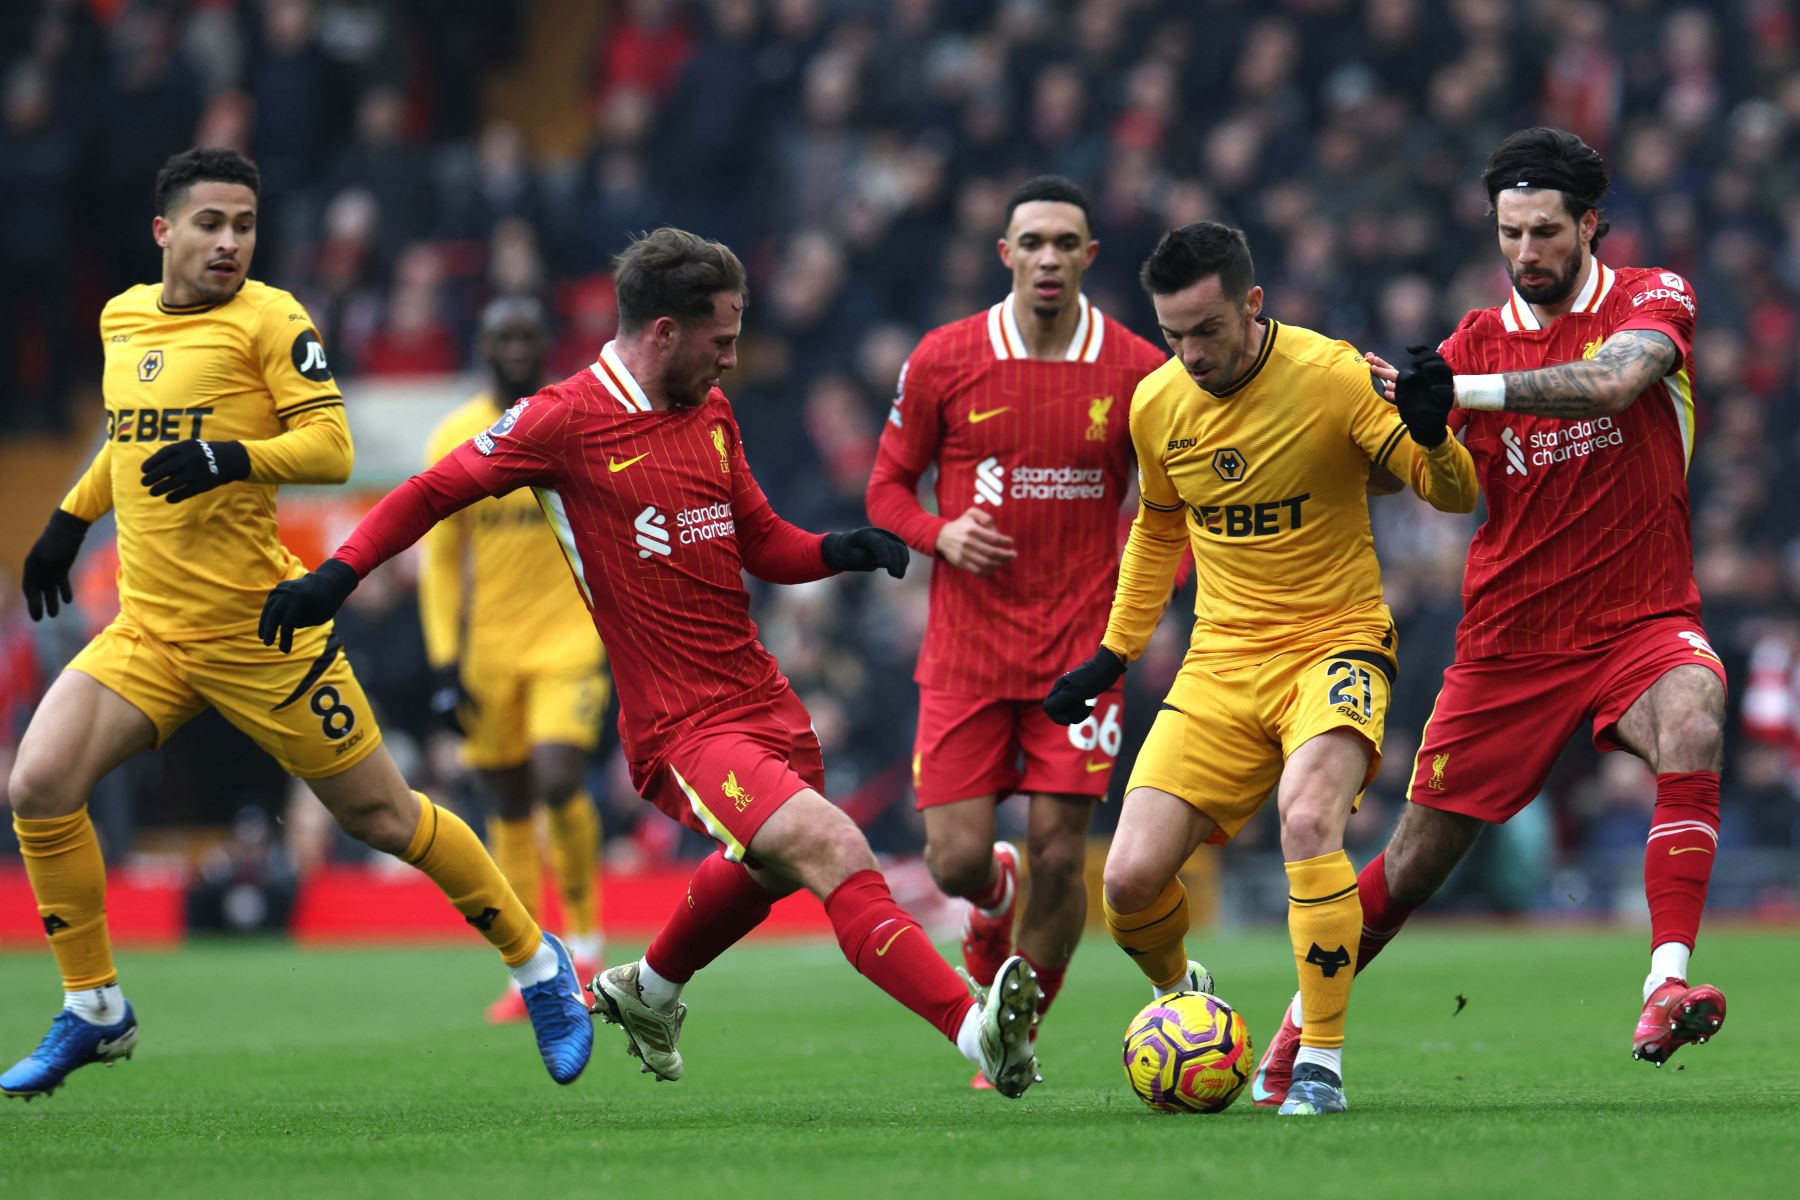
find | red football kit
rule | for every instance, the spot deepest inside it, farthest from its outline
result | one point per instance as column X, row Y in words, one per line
column 658, row 516
column 1579, row 590
column 1044, row 447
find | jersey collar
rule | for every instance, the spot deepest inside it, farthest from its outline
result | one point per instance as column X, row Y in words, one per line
column 188, row 310
column 618, row 381
column 1008, row 342
column 1517, row 315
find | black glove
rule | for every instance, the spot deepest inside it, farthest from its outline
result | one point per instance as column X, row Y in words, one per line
column 46, row 574
column 1424, row 394
column 448, row 698
column 1071, row 699
column 186, row 469
column 313, row 599
column 865, row 549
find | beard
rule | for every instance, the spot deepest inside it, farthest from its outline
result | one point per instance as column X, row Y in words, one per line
column 683, row 392
column 1557, row 290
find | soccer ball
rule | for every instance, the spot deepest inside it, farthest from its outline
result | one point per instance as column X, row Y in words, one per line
column 1188, row 1052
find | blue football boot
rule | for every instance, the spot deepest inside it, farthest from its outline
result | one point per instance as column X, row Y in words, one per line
column 71, row 1043
column 1315, row 1090
column 560, row 1017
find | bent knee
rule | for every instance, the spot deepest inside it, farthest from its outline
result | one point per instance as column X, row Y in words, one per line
column 381, row 826
column 960, row 869
column 1309, row 830
column 1129, row 887
column 1693, row 744
column 38, row 790
column 833, row 848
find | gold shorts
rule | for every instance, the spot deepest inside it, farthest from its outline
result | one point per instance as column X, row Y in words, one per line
column 1223, row 735
column 305, row 709
column 516, row 710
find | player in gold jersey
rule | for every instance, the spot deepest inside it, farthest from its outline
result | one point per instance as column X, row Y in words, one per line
column 217, row 390
column 1255, row 446
column 519, row 667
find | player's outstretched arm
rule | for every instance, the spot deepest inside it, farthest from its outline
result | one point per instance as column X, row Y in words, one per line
column 1628, row 362
column 401, row 519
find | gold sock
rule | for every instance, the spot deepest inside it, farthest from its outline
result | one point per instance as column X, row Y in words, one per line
column 1324, row 921
column 514, row 846
column 447, row 850
column 68, row 877
column 1154, row 938
column 575, row 849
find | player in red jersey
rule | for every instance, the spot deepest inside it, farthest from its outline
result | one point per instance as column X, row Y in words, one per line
column 1576, row 398
column 640, row 469
column 1023, row 409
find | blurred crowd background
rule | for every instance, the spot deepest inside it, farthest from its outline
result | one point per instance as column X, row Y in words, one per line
column 420, row 157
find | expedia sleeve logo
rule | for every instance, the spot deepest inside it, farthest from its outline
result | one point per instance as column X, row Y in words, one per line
column 309, row 357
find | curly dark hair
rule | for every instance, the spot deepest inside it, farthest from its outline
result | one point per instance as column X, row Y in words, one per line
column 202, row 164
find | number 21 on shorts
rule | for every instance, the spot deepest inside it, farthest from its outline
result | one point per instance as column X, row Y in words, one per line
column 1352, row 689
column 1099, row 732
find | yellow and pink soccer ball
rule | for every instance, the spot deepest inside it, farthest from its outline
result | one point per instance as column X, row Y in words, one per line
column 1188, row 1052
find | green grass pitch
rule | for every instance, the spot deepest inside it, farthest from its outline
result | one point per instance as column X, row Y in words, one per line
column 269, row 1071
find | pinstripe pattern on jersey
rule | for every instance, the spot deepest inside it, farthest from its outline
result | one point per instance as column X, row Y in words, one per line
column 992, row 419
column 1587, row 529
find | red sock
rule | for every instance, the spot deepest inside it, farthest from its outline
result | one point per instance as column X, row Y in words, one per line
column 1382, row 914
column 723, row 903
column 882, row 940
column 1679, row 855
column 1050, row 981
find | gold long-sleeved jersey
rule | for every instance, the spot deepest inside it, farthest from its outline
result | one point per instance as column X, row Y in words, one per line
column 249, row 370
column 1268, row 483
column 496, row 592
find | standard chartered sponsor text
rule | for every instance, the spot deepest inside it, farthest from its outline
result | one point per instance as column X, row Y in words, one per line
column 704, row 523
column 1577, row 439
column 1057, row 483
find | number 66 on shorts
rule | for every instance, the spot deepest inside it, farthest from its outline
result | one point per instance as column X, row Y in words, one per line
column 969, row 746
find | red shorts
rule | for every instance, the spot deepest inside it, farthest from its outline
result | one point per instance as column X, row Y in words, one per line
column 725, row 780
column 1499, row 723
column 969, row 746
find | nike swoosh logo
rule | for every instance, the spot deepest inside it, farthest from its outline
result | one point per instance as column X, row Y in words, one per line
column 1257, row 1090
column 883, row 951
column 615, row 466
column 1688, row 850
column 976, row 418
column 1098, row 766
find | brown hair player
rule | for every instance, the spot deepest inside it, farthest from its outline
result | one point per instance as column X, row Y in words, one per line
column 640, row 468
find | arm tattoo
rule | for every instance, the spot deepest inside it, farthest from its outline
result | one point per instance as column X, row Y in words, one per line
column 1628, row 363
